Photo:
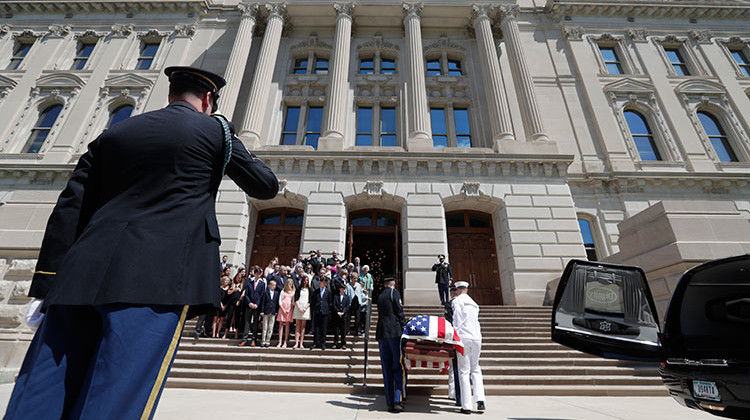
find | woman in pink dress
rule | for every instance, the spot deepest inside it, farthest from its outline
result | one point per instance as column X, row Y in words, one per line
column 286, row 311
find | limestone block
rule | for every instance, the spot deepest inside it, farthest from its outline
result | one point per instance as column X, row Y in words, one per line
column 558, row 225
column 232, row 197
column 613, row 216
column 563, row 250
column 326, row 197
column 11, row 316
column 424, row 200
column 518, row 200
column 533, row 281
column 34, row 196
column 326, row 187
column 423, row 224
column 231, row 208
column 564, row 213
column 20, row 292
column 526, row 250
column 3, row 268
column 337, row 210
column 15, row 216
column 422, row 261
column 429, row 236
column 563, row 189
column 21, row 270
column 406, row 188
column 548, row 201
column 537, row 264
column 347, row 188
column 500, row 191
column 39, row 218
column 521, row 224
column 231, row 220
column 425, row 249
column 232, row 232
column 423, row 188
column 331, row 234
column 436, row 212
column 528, row 297
column 321, row 221
column 533, row 237
column 531, row 189
column 528, row 212
column 6, row 287
column 569, row 238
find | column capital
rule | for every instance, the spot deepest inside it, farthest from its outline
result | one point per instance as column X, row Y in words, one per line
column 702, row 36
column 412, row 10
column 509, row 11
column 248, row 10
column 344, row 9
column 480, row 11
column 573, row 33
column 276, row 10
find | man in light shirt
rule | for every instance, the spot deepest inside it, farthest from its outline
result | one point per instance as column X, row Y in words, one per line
column 466, row 323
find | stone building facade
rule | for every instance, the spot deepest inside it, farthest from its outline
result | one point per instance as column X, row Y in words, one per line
column 510, row 135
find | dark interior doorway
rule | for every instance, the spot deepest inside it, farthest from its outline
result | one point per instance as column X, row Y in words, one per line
column 374, row 236
column 277, row 234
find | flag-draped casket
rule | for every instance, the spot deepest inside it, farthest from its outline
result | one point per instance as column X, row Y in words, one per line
column 429, row 342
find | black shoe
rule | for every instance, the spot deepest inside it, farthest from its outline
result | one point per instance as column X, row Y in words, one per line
column 399, row 407
column 480, row 406
column 458, row 404
column 465, row 411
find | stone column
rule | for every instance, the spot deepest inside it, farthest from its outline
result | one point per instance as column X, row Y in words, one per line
column 238, row 58
column 419, row 137
column 502, row 128
column 532, row 119
column 425, row 236
column 334, row 121
column 255, row 114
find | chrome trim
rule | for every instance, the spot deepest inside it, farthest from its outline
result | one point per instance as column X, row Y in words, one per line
column 648, row 343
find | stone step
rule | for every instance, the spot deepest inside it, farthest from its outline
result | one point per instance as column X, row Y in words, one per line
column 188, row 335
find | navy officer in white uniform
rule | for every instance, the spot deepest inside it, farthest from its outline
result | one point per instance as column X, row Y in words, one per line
column 466, row 323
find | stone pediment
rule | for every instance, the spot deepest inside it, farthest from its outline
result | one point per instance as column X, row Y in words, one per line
column 60, row 80
column 128, row 81
column 629, row 85
column 699, row 87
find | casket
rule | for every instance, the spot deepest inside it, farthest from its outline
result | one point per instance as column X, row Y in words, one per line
column 429, row 342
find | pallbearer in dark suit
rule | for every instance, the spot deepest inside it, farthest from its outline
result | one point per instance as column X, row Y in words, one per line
column 391, row 322
column 322, row 303
column 139, row 204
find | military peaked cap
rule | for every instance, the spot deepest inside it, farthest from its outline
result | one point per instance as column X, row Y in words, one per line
column 211, row 81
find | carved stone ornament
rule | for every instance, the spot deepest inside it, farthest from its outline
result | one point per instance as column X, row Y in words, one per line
column 608, row 38
column 282, row 184
column 378, row 43
column 573, row 33
column 248, row 10
column 276, row 10
column 702, row 37
column 311, row 43
column 671, row 39
column 480, row 11
column 509, row 11
column 151, row 34
column 413, row 10
column 58, row 31
column 27, row 34
column 373, row 188
column 444, row 44
column 733, row 42
column 121, row 31
column 4, row 29
column 470, row 189
column 637, row 34
column 185, row 30
column 344, row 9
column 88, row 34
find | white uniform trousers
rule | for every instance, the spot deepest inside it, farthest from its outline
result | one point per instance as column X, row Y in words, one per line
column 468, row 366
column 451, row 382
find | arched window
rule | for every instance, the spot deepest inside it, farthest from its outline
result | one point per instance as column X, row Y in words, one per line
column 588, row 239
column 717, row 136
column 42, row 128
column 642, row 136
column 120, row 113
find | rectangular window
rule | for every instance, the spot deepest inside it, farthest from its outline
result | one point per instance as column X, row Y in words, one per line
column 314, row 122
column 454, row 68
column 83, row 52
column 148, row 53
column 439, row 130
column 387, row 66
column 19, row 53
column 321, row 66
column 367, row 66
column 364, row 126
column 289, row 134
column 300, row 66
column 611, row 60
column 433, row 67
column 678, row 63
column 741, row 59
column 388, row 126
column 463, row 131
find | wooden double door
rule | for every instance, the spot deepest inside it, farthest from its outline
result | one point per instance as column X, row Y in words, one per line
column 277, row 234
column 472, row 255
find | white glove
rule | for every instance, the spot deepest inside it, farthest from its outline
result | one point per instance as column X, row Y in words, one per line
column 35, row 316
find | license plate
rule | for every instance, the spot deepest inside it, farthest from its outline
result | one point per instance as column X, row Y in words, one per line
column 706, row 390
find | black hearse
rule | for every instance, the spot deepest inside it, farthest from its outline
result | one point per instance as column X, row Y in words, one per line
column 704, row 350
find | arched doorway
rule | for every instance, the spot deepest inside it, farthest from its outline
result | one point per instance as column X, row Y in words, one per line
column 374, row 236
column 473, row 256
column 277, row 234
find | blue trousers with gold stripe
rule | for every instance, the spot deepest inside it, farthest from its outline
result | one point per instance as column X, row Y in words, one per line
column 97, row 362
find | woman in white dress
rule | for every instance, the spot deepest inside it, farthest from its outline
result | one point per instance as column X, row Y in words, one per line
column 301, row 311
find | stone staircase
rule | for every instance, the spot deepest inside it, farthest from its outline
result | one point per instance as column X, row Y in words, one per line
column 518, row 358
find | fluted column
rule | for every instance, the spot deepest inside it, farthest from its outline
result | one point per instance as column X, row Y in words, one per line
column 500, row 123
column 419, row 137
column 238, row 58
column 532, row 119
column 334, row 121
column 252, row 122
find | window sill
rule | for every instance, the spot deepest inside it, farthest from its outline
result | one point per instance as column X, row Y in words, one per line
column 660, row 165
column 389, row 149
column 734, row 166
column 22, row 156
column 288, row 148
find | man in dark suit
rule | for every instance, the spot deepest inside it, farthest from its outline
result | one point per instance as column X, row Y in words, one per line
column 331, row 262
column 341, row 305
column 322, row 303
column 132, row 241
column 391, row 322
column 269, row 307
column 443, row 278
column 254, row 290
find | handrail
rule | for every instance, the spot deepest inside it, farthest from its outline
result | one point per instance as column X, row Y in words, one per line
column 368, row 322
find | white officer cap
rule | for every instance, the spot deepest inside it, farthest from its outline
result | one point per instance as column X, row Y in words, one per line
column 460, row 284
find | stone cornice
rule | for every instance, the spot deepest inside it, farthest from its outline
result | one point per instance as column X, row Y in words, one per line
column 102, row 6
column 720, row 9
column 707, row 183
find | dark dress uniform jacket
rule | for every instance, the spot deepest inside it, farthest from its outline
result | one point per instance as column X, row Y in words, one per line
column 136, row 223
column 443, row 273
column 391, row 320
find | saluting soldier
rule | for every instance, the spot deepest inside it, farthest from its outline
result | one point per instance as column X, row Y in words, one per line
column 466, row 323
column 129, row 253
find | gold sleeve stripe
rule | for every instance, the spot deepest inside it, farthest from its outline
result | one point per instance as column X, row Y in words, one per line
column 45, row 272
